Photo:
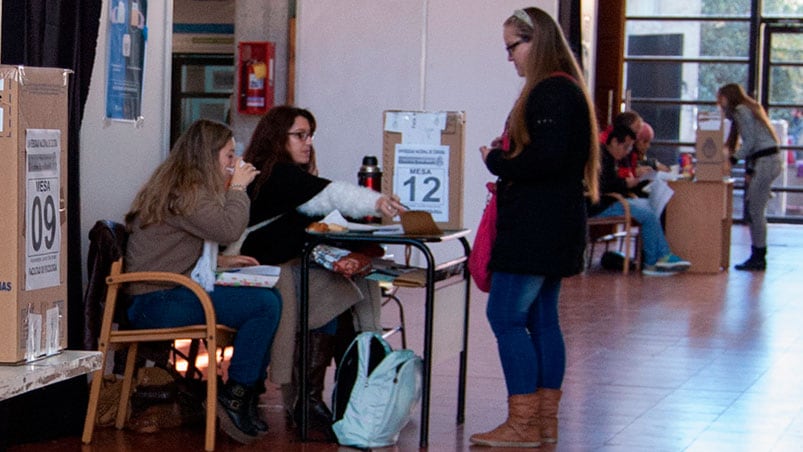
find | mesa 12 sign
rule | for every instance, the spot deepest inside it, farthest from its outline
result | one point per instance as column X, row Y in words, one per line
column 42, row 226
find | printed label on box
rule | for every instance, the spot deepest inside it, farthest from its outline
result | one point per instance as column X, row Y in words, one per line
column 42, row 226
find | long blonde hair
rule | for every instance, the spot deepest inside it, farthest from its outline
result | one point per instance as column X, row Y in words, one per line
column 550, row 53
column 735, row 95
column 191, row 167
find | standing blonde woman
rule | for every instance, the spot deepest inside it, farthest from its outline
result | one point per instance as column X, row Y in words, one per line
column 762, row 160
column 546, row 163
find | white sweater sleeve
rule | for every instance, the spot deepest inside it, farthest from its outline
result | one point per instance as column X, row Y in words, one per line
column 351, row 200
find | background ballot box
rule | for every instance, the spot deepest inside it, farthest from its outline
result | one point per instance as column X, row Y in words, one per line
column 33, row 216
column 422, row 162
column 711, row 162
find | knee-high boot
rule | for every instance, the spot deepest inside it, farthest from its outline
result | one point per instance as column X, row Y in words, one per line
column 521, row 427
column 548, row 414
column 320, row 417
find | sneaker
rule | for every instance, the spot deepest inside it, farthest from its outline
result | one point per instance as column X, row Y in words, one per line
column 652, row 270
column 673, row 263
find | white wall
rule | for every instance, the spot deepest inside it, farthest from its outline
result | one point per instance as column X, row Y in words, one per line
column 117, row 157
column 355, row 58
column 361, row 57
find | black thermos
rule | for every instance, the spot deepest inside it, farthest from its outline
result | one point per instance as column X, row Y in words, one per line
column 370, row 176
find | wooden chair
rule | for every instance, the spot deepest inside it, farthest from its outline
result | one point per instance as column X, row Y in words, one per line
column 622, row 228
column 215, row 336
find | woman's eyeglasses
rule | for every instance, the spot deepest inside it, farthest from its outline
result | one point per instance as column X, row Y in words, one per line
column 302, row 135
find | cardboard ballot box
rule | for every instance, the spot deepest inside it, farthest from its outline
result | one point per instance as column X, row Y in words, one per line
column 422, row 159
column 711, row 163
column 33, row 221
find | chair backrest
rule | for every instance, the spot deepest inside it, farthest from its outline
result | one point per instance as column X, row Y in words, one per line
column 107, row 243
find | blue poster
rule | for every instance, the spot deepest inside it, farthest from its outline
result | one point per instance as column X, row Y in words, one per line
column 126, row 58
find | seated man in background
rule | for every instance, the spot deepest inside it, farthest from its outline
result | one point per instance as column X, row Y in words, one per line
column 637, row 164
column 658, row 258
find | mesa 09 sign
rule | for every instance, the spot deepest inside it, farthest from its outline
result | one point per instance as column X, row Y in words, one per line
column 42, row 229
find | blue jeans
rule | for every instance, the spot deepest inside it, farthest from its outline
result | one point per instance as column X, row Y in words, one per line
column 652, row 235
column 523, row 313
column 254, row 312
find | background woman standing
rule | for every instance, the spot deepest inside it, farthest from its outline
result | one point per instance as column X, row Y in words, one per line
column 543, row 178
column 762, row 161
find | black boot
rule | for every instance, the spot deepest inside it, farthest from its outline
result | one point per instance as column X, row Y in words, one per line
column 321, row 348
column 757, row 261
column 232, row 410
column 253, row 409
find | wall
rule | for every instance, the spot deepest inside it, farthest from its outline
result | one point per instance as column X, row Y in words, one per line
column 363, row 57
column 355, row 59
column 117, row 157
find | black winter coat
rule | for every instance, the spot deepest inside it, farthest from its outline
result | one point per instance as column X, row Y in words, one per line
column 287, row 187
column 541, row 223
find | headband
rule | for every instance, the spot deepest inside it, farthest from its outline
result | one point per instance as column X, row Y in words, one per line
column 522, row 15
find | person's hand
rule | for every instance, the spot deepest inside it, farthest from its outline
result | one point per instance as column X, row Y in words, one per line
column 631, row 181
column 484, row 151
column 236, row 261
column 390, row 206
column 497, row 143
column 244, row 173
column 641, row 171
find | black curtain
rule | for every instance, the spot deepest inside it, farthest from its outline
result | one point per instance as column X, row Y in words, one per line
column 63, row 34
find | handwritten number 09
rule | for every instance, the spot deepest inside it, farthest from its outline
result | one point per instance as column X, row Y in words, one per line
column 436, row 185
column 43, row 219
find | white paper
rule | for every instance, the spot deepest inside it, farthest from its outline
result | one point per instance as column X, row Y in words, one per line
column 335, row 217
column 417, row 127
column 421, row 178
column 33, row 346
column 52, row 330
column 660, row 194
column 42, row 208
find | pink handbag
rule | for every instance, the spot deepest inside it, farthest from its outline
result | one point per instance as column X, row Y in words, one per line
column 483, row 243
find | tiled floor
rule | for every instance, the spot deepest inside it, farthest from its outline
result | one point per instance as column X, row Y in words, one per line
column 687, row 363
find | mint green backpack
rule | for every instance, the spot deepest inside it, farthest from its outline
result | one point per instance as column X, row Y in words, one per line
column 376, row 391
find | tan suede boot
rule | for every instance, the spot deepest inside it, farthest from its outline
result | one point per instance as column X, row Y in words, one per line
column 521, row 427
column 548, row 414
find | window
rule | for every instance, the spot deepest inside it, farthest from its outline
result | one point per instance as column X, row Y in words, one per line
column 677, row 54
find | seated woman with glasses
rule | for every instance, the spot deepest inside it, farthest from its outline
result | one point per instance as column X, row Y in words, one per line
column 289, row 193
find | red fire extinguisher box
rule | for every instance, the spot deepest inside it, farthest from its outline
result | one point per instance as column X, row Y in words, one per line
column 255, row 66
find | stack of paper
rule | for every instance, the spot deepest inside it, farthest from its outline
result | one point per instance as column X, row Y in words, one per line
column 255, row 276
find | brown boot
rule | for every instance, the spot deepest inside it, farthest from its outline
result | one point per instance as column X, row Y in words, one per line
column 548, row 414
column 521, row 427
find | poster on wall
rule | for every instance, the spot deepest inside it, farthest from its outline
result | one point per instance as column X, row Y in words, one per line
column 126, row 59
column 42, row 225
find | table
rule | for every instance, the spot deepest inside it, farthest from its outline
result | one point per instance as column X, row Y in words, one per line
column 421, row 243
column 16, row 380
column 698, row 223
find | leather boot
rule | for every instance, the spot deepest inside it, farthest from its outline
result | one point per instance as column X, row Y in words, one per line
column 756, row 262
column 548, row 414
column 253, row 409
column 521, row 427
column 232, row 411
column 320, row 417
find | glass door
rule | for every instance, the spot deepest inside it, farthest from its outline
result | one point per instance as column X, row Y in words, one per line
column 202, row 86
column 781, row 93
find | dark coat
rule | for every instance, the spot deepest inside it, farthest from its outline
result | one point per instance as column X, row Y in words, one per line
column 609, row 182
column 288, row 187
column 541, row 224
